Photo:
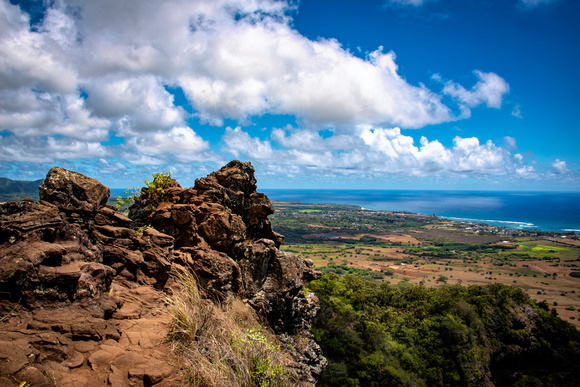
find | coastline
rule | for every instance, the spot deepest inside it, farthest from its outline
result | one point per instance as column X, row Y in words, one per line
column 480, row 207
column 540, row 211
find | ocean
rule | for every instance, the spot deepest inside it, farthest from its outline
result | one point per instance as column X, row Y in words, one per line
column 548, row 211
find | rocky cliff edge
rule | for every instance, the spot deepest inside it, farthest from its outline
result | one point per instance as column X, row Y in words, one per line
column 82, row 285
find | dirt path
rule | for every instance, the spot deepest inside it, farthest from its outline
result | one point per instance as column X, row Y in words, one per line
column 539, row 269
column 69, row 347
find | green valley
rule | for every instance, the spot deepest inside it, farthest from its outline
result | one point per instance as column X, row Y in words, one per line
column 416, row 300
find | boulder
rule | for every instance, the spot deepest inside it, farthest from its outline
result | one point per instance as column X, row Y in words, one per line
column 73, row 191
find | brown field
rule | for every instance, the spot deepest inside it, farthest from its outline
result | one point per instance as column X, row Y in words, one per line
column 541, row 279
column 451, row 235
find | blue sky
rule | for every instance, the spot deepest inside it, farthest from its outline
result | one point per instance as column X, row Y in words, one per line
column 390, row 94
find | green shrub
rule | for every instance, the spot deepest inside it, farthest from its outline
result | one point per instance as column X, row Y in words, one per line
column 376, row 334
column 123, row 203
column 158, row 188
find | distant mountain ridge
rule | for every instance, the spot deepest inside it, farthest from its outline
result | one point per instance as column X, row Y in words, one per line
column 18, row 189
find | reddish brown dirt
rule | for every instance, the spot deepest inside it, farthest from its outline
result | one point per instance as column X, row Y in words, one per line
column 69, row 347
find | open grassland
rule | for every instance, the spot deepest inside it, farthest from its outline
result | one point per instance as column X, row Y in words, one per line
column 406, row 251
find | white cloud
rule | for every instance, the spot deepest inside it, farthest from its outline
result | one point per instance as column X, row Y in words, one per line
column 138, row 103
column 100, row 68
column 471, row 156
column 176, row 140
column 489, row 90
column 48, row 150
column 31, row 59
column 270, row 68
column 233, row 59
column 560, row 166
column 526, row 171
column 155, row 148
column 535, row 3
column 372, row 150
column 413, row 3
column 26, row 112
column 307, row 140
column 239, row 143
column 516, row 111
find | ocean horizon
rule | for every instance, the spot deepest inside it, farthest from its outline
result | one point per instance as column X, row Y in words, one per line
column 527, row 210
column 547, row 211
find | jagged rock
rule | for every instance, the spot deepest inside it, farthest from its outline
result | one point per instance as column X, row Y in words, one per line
column 219, row 275
column 66, row 257
column 222, row 233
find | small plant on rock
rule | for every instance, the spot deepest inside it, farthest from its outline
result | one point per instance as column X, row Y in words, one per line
column 123, row 203
column 158, row 188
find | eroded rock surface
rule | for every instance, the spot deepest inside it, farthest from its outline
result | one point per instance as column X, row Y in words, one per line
column 82, row 285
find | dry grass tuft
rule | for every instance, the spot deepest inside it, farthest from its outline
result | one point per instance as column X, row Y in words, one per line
column 223, row 345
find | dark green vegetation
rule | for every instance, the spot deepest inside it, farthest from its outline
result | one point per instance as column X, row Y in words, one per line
column 11, row 190
column 375, row 335
column 367, row 274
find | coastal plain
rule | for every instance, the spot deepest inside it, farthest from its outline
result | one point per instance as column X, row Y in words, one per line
column 407, row 249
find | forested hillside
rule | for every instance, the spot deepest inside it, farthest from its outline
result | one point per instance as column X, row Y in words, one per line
column 383, row 335
column 17, row 189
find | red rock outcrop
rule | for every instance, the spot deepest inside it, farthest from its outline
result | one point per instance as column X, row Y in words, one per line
column 82, row 285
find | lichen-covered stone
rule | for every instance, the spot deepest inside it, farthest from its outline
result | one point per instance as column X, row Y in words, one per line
column 73, row 191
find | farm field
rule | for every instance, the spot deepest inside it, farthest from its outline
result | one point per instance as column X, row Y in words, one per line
column 434, row 252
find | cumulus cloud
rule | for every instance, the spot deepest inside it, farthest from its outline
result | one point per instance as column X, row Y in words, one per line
column 239, row 143
column 89, row 69
column 526, row 171
column 467, row 154
column 179, row 144
column 139, row 103
column 310, row 141
column 26, row 112
column 95, row 70
column 272, row 69
column 560, row 166
column 489, row 90
column 372, row 150
column 48, row 150
column 32, row 59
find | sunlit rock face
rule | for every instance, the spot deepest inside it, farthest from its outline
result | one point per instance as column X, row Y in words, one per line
column 223, row 234
column 67, row 253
